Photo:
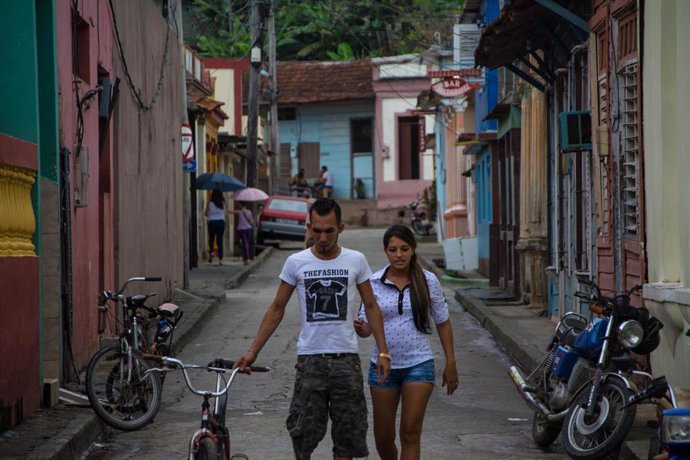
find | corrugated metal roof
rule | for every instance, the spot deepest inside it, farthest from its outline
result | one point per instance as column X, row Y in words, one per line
column 524, row 26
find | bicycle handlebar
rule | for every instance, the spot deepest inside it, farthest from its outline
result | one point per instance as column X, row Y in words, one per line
column 137, row 278
column 228, row 364
column 172, row 364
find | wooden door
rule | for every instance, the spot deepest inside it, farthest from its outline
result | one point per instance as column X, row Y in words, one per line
column 309, row 156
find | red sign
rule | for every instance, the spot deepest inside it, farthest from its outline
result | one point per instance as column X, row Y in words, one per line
column 453, row 87
column 187, row 144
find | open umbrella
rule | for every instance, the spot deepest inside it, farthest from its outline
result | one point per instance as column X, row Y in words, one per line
column 250, row 194
column 211, row 181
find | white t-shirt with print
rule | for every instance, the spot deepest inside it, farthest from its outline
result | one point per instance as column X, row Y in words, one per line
column 326, row 291
column 406, row 344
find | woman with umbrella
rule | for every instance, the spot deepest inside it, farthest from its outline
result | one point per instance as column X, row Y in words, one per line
column 245, row 223
column 215, row 212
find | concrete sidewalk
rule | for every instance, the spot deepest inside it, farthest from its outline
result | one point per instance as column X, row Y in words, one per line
column 65, row 432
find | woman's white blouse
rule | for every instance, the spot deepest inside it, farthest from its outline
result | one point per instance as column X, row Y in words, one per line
column 406, row 344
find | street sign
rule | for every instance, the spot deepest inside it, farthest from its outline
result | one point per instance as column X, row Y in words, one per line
column 187, row 144
column 189, row 166
column 451, row 87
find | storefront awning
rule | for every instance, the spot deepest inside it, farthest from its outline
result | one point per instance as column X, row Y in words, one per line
column 534, row 37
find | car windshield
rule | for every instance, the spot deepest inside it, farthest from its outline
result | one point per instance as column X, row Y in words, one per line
column 288, row 205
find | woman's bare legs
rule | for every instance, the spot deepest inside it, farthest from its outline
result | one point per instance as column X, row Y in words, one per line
column 415, row 396
column 385, row 406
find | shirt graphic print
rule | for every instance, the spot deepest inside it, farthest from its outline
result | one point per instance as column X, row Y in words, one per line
column 326, row 299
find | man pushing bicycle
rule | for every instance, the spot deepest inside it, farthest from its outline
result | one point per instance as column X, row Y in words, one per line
column 329, row 373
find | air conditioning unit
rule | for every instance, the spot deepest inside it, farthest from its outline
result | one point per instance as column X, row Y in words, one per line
column 576, row 131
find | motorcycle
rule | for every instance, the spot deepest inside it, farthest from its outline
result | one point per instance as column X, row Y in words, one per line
column 420, row 222
column 583, row 386
column 672, row 442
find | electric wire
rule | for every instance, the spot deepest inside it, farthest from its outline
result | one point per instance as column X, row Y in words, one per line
column 128, row 77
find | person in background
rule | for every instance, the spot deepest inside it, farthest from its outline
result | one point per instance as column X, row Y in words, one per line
column 328, row 382
column 215, row 213
column 409, row 298
column 298, row 184
column 325, row 182
column 245, row 224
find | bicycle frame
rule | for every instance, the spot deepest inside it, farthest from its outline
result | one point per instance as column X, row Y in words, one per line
column 208, row 421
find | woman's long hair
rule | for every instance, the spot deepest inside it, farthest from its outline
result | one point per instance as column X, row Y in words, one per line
column 420, row 299
column 217, row 198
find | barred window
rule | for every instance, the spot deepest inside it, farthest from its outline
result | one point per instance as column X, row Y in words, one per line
column 630, row 149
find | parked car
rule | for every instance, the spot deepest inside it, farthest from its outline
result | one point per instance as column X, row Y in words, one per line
column 283, row 218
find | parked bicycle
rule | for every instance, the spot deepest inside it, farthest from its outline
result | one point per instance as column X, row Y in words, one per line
column 119, row 390
column 212, row 439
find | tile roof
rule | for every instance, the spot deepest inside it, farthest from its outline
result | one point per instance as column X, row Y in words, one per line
column 301, row 82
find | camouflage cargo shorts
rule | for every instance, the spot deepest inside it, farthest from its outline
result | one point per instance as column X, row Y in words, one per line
column 323, row 386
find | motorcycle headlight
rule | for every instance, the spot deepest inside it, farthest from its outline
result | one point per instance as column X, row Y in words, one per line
column 630, row 334
column 675, row 426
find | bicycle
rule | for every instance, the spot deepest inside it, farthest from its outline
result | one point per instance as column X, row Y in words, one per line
column 119, row 391
column 212, row 440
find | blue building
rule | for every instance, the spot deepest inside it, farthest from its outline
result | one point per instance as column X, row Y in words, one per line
column 326, row 117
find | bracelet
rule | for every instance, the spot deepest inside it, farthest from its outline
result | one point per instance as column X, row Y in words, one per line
column 385, row 355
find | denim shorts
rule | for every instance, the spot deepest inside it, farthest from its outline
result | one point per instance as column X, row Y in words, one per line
column 422, row 372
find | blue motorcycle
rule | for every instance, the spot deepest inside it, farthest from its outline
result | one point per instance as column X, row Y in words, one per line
column 583, row 385
column 672, row 442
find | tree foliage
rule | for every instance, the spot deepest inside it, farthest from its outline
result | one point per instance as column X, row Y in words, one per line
column 327, row 29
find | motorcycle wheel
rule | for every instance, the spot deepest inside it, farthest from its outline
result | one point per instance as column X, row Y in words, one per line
column 589, row 437
column 418, row 228
column 543, row 431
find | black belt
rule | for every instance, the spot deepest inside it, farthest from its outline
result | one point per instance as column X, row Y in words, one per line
column 330, row 355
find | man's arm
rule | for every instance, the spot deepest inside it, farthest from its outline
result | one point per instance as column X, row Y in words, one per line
column 272, row 318
column 383, row 363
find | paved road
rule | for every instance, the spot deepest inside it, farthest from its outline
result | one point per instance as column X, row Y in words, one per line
column 485, row 419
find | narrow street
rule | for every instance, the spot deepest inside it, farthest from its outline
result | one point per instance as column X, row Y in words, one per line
column 484, row 419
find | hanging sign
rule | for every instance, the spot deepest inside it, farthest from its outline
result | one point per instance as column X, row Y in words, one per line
column 451, row 87
column 187, row 144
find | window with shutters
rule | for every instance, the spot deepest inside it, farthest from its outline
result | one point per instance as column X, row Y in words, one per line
column 630, row 149
column 602, row 61
column 627, row 67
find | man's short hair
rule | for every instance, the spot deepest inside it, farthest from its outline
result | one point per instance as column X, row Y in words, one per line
column 324, row 167
column 324, row 206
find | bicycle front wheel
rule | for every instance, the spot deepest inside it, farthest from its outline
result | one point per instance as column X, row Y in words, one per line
column 207, row 450
column 119, row 392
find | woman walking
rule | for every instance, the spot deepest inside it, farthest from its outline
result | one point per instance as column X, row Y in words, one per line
column 245, row 223
column 409, row 298
column 215, row 212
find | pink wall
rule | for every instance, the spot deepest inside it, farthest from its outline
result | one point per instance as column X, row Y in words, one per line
column 92, row 255
column 396, row 192
column 19, row 317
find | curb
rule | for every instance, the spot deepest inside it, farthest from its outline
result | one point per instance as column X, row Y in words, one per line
column 70, row 442
column 497, row 329
column 208, row 304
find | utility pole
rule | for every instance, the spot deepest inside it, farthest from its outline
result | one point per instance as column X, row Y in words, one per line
column 229, row 4
column 187, row 207
column 275, row 143
column 254, row 84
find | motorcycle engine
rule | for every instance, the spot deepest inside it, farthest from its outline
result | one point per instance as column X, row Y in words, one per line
column 560, row 396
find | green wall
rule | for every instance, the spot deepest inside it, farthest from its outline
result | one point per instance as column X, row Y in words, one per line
column 18, row 111
column 48, row 145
